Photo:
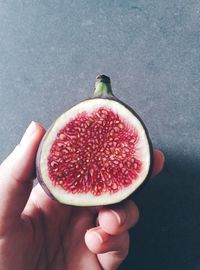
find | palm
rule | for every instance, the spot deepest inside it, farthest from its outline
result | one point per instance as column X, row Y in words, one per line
column 52, row 235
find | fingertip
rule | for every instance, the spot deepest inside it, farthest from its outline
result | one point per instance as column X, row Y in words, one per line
column 159, row 154
column 20, row 163
column 111, row 220
column 99, row 242
column 118, row 219
column 94, row 240
column 159, row 160
column 39, row 127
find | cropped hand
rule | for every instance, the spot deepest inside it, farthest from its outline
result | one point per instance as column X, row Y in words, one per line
column 39, row 233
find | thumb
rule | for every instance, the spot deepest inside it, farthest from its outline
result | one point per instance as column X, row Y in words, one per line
column 16, row 173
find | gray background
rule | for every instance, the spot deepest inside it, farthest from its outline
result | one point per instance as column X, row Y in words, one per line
column 50, row 54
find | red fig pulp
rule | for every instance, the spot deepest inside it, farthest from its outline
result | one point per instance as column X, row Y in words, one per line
column 96, row 153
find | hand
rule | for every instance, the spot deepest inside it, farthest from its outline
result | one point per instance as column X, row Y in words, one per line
column 39, row 233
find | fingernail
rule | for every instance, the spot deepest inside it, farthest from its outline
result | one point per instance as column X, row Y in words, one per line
column 28, row 132
column 120, row 217
column 97, row 236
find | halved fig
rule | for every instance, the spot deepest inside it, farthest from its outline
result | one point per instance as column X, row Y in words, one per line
column 96, row 153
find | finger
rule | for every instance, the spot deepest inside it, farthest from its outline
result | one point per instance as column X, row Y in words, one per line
column 159, row 160
column 16, row 173
column 119, row 218
column 111, row 250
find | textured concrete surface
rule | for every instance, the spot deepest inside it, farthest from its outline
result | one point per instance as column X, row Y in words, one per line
column 50, row 54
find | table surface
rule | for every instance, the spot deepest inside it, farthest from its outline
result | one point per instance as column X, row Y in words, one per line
column 50, row 54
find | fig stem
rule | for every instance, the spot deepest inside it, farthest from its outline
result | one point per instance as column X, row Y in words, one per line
column 103, row 86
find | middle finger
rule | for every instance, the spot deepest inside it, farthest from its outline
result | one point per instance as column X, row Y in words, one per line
column 118, row 219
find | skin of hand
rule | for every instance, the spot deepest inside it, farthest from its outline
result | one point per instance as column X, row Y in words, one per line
column 37, row 233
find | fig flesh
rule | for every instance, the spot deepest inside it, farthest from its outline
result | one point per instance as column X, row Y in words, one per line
column 96, row 153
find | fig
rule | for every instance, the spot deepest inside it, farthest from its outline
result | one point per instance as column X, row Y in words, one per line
column 96, row 153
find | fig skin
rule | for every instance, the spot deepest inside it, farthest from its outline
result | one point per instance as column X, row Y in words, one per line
column 110, row 96
column 38, row 170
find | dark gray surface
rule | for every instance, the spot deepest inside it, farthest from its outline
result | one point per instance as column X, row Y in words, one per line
column 50, row 54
